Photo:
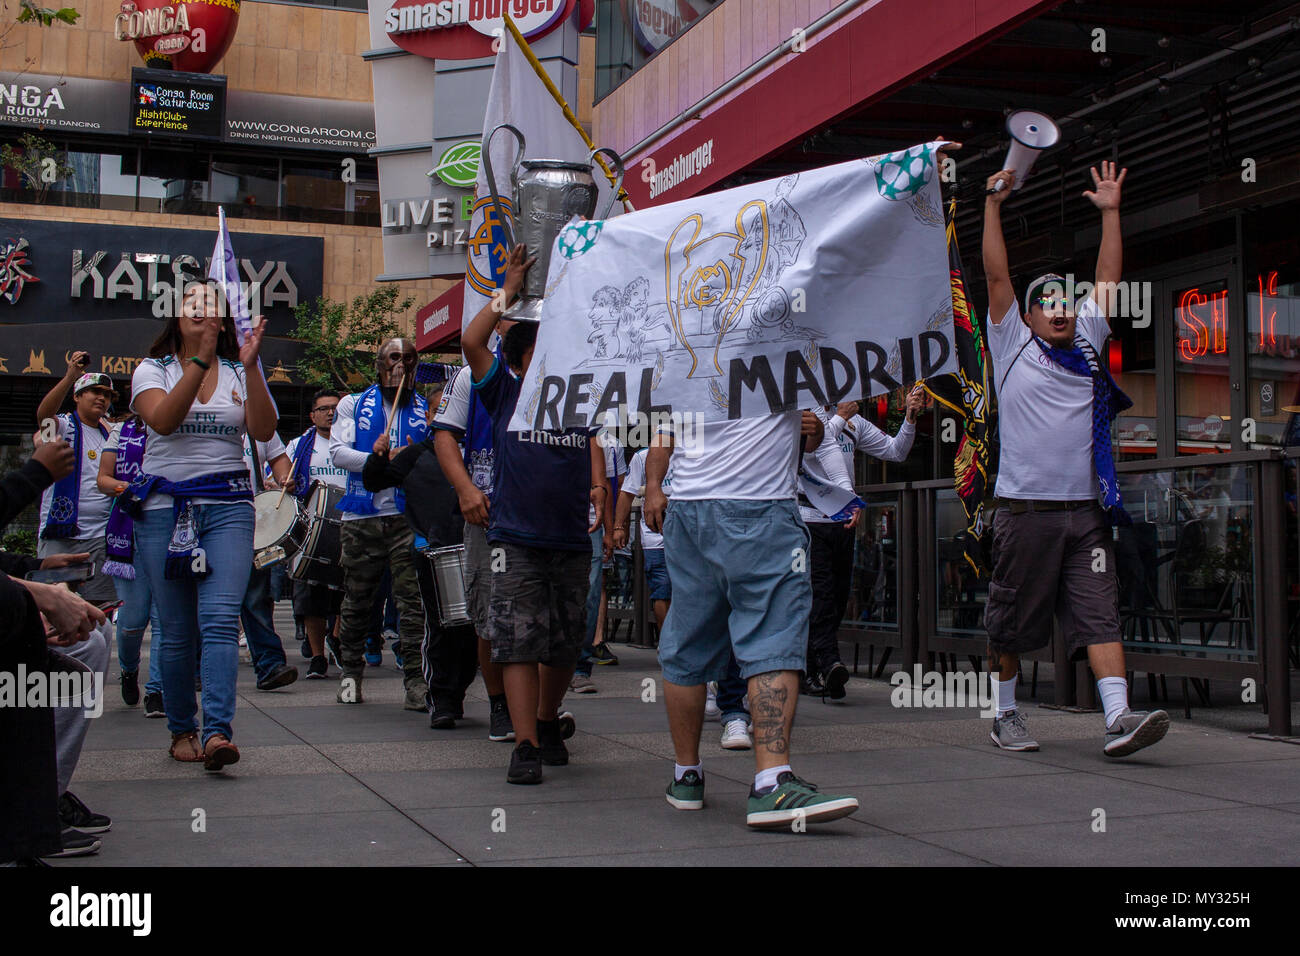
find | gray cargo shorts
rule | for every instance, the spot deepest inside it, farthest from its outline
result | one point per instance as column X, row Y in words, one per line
column 1049, row 563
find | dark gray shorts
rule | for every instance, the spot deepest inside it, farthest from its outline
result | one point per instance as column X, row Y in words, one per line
column 478, row 576
column 538, row 609
column 1043, row 565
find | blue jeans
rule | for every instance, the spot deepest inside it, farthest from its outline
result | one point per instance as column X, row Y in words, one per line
column 138, row 609
column 731, row 694
column 258, row 615
column 586, row 658
column 199, row 609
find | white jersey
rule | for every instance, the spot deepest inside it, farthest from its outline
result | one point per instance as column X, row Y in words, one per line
column 211, row 437
column 93, row 505
column 321, row 467
column 748, row 458
column 846, row 439
column 1044, row 412
column 635, row 486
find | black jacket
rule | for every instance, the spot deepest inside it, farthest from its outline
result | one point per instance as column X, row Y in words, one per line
column 432, row 506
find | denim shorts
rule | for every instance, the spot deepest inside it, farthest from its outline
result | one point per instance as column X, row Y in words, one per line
column 740, row 572
column 656, row 575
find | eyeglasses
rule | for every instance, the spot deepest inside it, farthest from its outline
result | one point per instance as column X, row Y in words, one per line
column 323, row 408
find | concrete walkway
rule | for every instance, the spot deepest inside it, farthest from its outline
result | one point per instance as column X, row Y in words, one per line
column 323, row 784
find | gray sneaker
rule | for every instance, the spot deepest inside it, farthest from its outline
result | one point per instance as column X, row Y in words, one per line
column 1134, row 730
column 1010, row 733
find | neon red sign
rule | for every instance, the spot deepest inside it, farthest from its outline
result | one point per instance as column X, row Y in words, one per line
column 1267, row 331
column 1197, row 338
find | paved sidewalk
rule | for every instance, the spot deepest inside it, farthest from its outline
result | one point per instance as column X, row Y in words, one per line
column 325, row 784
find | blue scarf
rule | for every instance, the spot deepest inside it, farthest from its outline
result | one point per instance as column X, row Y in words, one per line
column 234, row 485
column 302, row 463
column 120, row 535
column 412, row 422
column 1107, row 402
column 65, row 500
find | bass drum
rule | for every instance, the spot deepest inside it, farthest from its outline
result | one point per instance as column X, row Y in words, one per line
column 279, row 528
column 319, row 560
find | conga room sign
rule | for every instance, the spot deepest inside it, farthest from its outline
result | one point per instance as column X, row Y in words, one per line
column 191, row 37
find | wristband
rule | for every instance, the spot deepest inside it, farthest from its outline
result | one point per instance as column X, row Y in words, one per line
column 200, row 363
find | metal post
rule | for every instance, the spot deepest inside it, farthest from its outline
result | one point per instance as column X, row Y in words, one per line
column 1271, row 607
column 916, row 617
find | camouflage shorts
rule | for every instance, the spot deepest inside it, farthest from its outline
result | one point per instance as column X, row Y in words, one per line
column 538, row 607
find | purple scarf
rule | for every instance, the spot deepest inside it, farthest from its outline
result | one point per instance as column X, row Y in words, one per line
column 120, row 536
column 65, row 500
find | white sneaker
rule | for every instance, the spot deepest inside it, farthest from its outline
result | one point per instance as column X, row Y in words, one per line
column 711, row 709
column 735, row 735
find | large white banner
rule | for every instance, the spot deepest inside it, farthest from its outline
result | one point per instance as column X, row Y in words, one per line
column 769, row 297
column 518, row 97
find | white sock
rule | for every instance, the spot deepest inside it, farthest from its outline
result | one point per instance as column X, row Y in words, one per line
column 1114, row 696
column 1006, row 690
column 679, row 771
column 766, row 779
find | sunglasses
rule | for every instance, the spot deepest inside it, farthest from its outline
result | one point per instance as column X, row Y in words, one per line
column 1049, row 302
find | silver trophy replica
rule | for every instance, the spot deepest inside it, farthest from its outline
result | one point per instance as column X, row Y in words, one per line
column 547, row 194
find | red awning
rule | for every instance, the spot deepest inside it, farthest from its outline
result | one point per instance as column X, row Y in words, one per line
column 439, row 322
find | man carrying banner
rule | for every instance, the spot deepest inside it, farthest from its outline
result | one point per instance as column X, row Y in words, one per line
column 543, row 483
column 374, row 534
column 737, row 556
column 832, row 536
column 1057, row 491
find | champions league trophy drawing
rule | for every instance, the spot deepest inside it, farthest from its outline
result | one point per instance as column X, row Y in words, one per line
column 547, row 193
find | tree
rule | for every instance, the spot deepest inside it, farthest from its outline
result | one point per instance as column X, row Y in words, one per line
column 29, row 12
column 338, row 336
column 39, row 164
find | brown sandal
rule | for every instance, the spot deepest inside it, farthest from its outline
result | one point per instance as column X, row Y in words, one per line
column 189, row 752
column 219, row 752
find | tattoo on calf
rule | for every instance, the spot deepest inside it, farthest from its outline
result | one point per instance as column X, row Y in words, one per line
column 767, row 711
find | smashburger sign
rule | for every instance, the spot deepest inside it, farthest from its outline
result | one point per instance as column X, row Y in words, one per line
column 465, row 29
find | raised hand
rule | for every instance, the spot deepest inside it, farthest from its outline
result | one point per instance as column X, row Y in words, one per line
column 998, row 194
column 1107, row 184
column 252, row 343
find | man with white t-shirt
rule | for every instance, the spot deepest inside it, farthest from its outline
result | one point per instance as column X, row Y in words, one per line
column 831, row 559
column 74, row 513
column 737, row 554
column 600, row 548
column 315, row 604
column 1057, row 495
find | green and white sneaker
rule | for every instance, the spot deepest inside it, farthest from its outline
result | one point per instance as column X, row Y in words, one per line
column 686, row 793
column 794, row 799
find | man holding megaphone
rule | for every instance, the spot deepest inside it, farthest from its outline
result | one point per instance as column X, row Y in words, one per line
column 1057, row 493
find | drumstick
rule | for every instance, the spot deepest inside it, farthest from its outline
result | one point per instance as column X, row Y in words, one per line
column 396, row 404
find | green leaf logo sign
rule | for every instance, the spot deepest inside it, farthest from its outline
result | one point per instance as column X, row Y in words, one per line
column 458, row 166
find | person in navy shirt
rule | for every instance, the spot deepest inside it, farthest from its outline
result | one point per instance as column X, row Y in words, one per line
column 542, row 484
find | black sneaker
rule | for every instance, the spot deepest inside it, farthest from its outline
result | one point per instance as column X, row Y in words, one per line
column 76, row 843
column 442, row 720
column 130, row 681
column 153, row 705
column 812, row 685
column 568, row 726
column 525, row 765
column 333, row 651
column 554, row 753
column 318, row 668
column 282, row 676
column 500, row 726
column 305, row 649
column 74, row 813
column 833, row 679
column 601, row 654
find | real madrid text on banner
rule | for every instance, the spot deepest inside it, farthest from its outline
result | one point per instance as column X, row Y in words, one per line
column 800, row 291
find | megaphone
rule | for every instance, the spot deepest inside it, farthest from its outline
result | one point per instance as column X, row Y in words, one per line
column 1031, row 132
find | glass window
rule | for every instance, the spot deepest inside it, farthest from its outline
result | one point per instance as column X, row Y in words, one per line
column 1273, row 326
column 630, row 32
column 962, row 595
column 1131, row 357
column 316, row 191
column 873, row 598
column 246, row 189
column 1186, row 566
column 1203, row 393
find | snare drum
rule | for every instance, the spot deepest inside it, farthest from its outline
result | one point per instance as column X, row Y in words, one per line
column 319, row 560
column 449, row 583
column 279, row 528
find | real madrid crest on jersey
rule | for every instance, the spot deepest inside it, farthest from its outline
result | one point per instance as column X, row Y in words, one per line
column 480, row 468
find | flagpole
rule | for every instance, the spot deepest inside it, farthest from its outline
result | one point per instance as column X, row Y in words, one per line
column 564, row 107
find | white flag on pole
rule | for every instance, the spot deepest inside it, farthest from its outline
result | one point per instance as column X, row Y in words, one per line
column 772, row 296
column 517, row 97
column 224, row 268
